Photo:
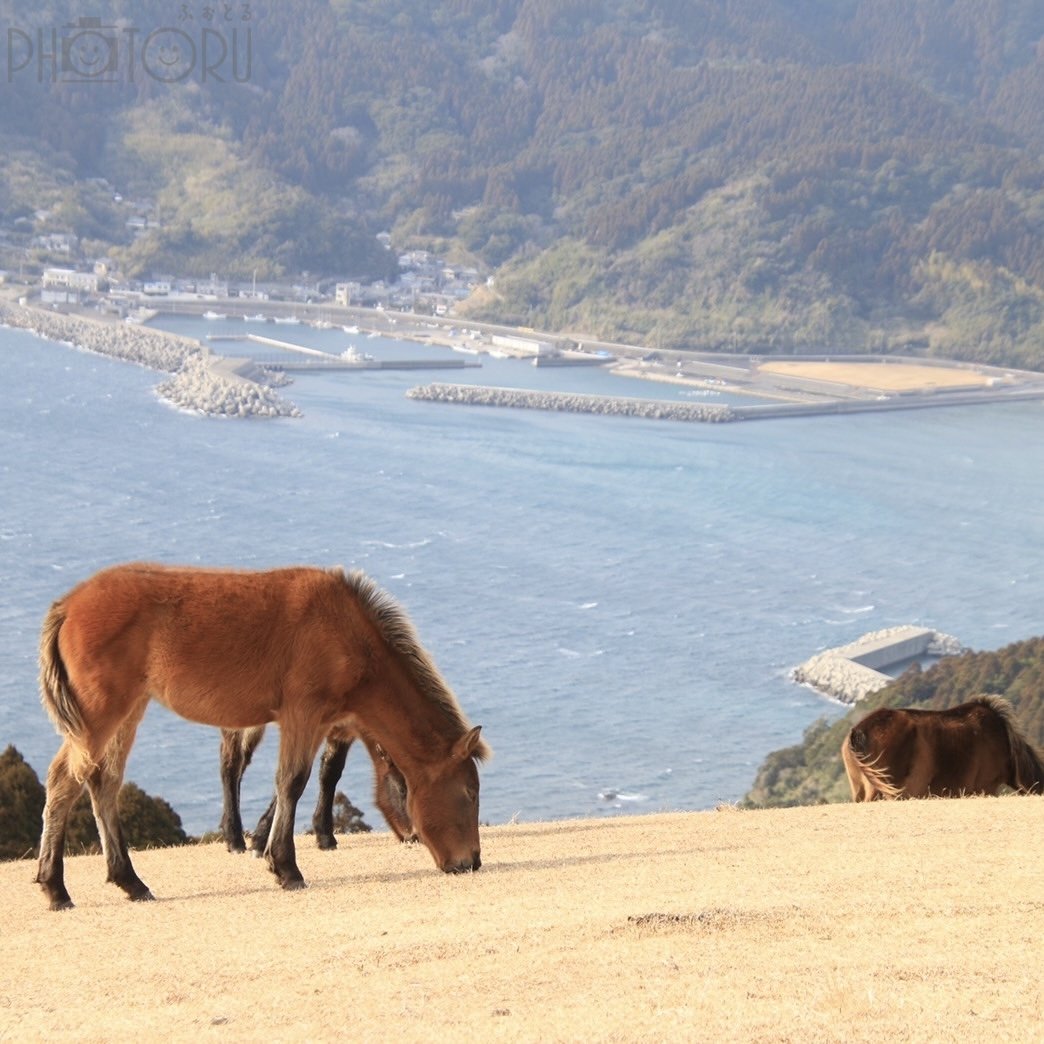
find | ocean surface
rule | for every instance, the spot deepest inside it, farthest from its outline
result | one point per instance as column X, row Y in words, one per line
column 617, row 602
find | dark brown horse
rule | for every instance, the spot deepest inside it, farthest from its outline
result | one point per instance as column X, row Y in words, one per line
column 975, row 748
column 237, row 748
column 310, row 649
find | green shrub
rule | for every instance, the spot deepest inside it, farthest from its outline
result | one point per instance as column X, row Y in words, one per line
column 148, row 822
column 21, row 806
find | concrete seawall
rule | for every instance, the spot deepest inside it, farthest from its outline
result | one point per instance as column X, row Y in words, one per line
column 569, row 402
column 198, row 383
column 849, row 673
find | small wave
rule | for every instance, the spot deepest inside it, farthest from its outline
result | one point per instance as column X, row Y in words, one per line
column 856, row 609
column 409, row 545
column 620, row 795
column 589, row 605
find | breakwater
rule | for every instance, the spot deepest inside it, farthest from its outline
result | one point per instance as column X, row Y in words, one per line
column 199, row 388
column 571, row 402
column 196, row 383
column 849, row 673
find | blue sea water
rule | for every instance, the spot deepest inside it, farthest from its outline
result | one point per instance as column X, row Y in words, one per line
column 617, row 602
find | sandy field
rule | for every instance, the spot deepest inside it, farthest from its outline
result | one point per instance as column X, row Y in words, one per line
column 883, row 377
column 883, row 922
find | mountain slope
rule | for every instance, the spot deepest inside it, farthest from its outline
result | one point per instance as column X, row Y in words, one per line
column 792, row 174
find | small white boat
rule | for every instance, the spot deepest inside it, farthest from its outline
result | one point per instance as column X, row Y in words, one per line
column 210, row 314
column 467, row 349
column 287, row 320
column 322, row 324
column 352, row 354
column 350, row 329
column 259, row 317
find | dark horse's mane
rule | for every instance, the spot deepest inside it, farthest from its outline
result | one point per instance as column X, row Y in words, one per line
column 398, row 631
column 1027, row 763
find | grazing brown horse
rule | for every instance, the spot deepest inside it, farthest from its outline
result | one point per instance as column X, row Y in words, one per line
column 310, row 649
column 975, row 748
column 237, row 748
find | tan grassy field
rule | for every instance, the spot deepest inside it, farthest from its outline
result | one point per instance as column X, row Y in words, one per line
column 883, row 377
column 880, row 922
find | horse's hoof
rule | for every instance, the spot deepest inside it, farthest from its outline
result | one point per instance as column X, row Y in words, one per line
column 62, row 904
column 325, row 842
column 294, row 885
column 142, row 897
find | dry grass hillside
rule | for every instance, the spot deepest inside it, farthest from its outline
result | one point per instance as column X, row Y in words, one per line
column 881, row 922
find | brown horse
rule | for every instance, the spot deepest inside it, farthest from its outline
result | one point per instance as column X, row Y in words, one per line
column 308, row 648
column 975, row 748
column 237, row 748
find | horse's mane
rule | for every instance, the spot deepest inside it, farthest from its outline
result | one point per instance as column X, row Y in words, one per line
column 398, row 631
column 1026, row 761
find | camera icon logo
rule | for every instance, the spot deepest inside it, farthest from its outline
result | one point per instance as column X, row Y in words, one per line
column 90, row 52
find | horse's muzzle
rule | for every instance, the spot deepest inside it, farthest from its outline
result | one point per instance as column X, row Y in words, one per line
column 465, row 866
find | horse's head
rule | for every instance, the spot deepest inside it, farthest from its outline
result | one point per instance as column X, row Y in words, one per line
column 443, row 808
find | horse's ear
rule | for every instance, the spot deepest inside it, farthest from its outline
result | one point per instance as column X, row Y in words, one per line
column 465, row 747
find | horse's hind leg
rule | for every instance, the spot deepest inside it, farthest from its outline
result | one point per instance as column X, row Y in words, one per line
column 331, row 768
column 237, row 748
column 63, row 788
column 259, row 840
column 104, row 784
column 296, row 754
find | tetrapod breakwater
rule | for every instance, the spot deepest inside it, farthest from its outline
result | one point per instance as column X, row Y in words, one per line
column 571, row 402
column 197, row 381
column 849, row 673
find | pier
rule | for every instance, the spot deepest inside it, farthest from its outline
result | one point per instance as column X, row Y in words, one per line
column 302, row 359
column 851, row 672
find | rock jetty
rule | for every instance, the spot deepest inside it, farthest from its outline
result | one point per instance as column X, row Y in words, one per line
column 843, row 673
column 197, row 387
column 571, row 402
column 197, row 383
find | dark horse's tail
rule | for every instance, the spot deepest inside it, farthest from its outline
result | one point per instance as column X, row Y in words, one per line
column 867, row 777
column 1027, row 764
column 55, row 691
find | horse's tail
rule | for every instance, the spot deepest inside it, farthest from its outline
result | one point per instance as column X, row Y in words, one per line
column 1027, row 764
column 865, row 775
column 55, row 692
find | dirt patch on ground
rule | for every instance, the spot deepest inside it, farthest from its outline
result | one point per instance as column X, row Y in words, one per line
column 914, row 920
column 881, row 376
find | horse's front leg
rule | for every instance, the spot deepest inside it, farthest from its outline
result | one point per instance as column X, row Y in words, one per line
column 331, row 768
column 295, row 765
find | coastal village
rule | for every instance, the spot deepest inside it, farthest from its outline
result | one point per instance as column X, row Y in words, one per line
column 51, row 283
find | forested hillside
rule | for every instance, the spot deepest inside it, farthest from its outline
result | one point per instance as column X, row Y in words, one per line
column 791, row 174
column 811, row 772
